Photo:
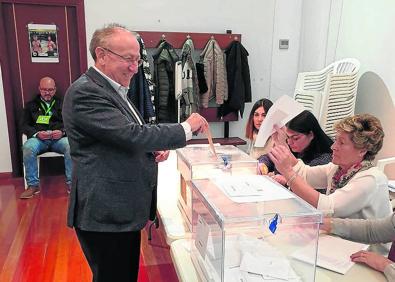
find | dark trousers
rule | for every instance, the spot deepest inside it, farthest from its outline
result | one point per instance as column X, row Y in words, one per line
column 111, row 256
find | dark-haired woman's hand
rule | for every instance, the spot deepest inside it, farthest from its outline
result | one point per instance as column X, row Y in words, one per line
column 279, row 136
column 283, row 159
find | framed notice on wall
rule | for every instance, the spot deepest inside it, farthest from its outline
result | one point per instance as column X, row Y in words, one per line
column 43, row 42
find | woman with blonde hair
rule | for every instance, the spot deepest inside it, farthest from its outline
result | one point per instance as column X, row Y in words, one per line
column 355, row 188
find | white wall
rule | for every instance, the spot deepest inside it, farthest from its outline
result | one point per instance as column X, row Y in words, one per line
column 319, row 32
column 363, row 29
column 313, row 34
column 5, row 154
column 287, row 25
column 367, row 33
column 254, row 21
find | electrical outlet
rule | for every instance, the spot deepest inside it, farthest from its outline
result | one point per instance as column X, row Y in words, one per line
column 283, row 44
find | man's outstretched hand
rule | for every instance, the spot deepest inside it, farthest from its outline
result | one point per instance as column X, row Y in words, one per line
column 198, row 123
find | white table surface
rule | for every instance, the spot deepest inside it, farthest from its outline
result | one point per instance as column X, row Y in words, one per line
column 168, row 191
column 186, row 272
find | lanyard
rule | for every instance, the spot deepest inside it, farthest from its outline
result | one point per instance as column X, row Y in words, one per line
column 49, row 107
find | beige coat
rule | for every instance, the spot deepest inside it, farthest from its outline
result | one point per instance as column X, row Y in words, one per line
column 213, row 59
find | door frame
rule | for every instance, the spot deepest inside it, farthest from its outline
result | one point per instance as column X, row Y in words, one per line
column 6, row 67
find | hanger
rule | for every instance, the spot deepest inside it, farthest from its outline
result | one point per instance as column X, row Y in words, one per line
column 188, row 36
column 236, row 38
column 162, row 39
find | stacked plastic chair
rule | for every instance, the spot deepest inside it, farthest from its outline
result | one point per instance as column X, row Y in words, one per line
column 329, row 93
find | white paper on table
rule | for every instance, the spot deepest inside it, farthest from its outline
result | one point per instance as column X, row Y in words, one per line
column 265, row 266
column 251, row 188
column 282, row 111
column 333, row 253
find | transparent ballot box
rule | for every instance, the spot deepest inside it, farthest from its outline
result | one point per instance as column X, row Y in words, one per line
column 197, row 162
column 249, row 228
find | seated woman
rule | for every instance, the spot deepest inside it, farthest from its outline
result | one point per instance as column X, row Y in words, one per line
column 255, row 119
column 307, row 141
column 370, row 231
column 355, row 188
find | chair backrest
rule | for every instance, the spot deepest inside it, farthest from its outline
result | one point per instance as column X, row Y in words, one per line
column 383, row 162
column 329, row 93
column 311, row 100
column 309, row 87
column 346, row 66
column 339, row 95
column 381, row 166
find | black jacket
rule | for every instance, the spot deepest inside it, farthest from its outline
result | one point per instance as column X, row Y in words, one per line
column 239, row 84
column 31, row 112
column 164, row 67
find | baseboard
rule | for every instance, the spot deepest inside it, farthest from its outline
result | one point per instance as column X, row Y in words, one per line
column 5, row 175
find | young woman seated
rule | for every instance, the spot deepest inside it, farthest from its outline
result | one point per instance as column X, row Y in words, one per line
column 255, row 119
column 355, row 188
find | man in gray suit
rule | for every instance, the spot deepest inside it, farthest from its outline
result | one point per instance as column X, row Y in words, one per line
column 114, row 156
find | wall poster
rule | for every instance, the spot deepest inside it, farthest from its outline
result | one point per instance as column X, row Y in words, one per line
column 43, row 43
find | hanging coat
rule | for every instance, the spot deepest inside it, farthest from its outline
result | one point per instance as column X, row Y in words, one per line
column 190, row 92
column 212, row 57
column 141, row 90
column 239, row 84
column 164, row 65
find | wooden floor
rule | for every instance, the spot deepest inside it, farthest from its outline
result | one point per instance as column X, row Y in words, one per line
column 36, row 244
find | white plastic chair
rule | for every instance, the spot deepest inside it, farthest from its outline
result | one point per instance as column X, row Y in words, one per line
column 381, row 166
column 309, row 88
column 330, row 93
column 43, row 155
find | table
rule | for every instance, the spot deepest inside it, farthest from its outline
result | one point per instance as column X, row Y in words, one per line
column 179, row 251
column 178, row 235
column 168, row 191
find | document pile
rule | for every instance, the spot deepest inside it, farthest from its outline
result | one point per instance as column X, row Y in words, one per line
column 333, row 253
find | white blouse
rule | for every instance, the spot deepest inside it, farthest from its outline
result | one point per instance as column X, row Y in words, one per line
column 364, row 196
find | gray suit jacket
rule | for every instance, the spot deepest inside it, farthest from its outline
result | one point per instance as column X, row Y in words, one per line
column 114, row 170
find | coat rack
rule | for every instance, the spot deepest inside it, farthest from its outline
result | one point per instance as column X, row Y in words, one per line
column 177, row 39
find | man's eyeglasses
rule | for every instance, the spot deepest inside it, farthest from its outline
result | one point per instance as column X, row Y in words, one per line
column 47, row 89
column 128, row 60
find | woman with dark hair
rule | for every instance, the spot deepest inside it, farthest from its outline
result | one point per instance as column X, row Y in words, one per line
column 307, row 142
column 255, row 119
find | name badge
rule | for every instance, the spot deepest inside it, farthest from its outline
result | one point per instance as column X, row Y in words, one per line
column 43, row 119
